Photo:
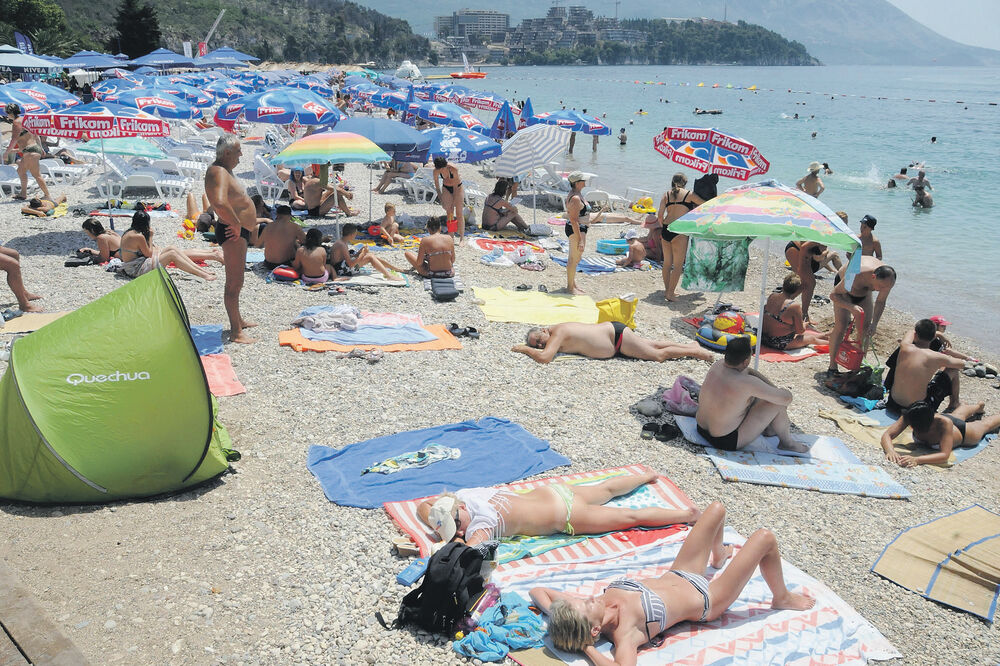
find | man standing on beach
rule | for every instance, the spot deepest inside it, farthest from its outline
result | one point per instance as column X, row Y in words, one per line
column 856, row 301
column 236, row 212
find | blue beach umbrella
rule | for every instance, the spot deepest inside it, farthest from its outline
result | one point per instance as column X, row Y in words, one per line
column 483, row 101
column 144, row 70
column 156, row 102
column 313, row 84
column 451, row 93
column 163, row 58
column 363, row 90
column 186, row 92
column 461, row 145
column 226, row 90
column 575, row 122
column 89, row 60
column 503, row 124
column 426, row 91
column 54, row 98
column 391, row 99
column 227, row 52
column 113, row 86
column 26, row 103
column 117, row 72
column 280, row 106
column 401, row 141
column 444, row 113
column 527, row 115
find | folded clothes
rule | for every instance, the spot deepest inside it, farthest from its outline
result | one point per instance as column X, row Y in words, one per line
column 325, row 318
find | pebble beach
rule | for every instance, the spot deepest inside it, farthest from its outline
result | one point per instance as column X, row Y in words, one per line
column 257, row 567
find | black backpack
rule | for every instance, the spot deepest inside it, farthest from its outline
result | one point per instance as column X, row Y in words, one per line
column 452, row 584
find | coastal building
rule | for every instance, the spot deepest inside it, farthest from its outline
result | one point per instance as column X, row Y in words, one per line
column 487, row 24
column 566, row 28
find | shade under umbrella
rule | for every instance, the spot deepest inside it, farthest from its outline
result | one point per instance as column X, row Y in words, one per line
column 710, row 150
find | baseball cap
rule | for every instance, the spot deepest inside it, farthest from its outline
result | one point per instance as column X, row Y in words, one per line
column 576, row 177
column 630, row 234
column 442, row 518
column 939, row 320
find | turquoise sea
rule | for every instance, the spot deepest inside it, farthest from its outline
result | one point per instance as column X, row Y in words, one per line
column 869, row 122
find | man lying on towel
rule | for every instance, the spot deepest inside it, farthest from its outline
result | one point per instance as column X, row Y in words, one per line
column 476, row 515
column 737, row 405
column 605, row 340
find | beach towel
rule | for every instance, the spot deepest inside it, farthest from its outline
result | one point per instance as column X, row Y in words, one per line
column 29, row 321
column 769, row 469
column 954, row 560
column 713, row 265
column 562, row 547
column 442, row 340
column 532, row 307
column 508, row 624
column 379, row 336
column 339, row 471
column 207, row 338
column 222, row 380
column 389, row 319
column 255, row 256
column 868, row 427
column 60, row 210
column 128, row 212
column 489, row 244
column 750, row 632
column 374, row 280
column 591, row 264
column 821, row 447
column 373, row 245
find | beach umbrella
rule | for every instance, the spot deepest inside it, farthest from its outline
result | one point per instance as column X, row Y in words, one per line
column 144, row 70
column 709, row 150
column 97, row 120
column 186, row 92
column 503, row 123
column 531, row 147
column 117, row 72
column 16, row 61
column 445, row 113
column 767, row 210
column 363, row 90
column 156, row 102
column 218, row 61
column 401, row 141
column 131, row 146
column 313, row 84
column 483, row 101
column 460, row 145
column 113, row 86
column 227, row 52
column 89, row 60
column 332, row 147
column 26, row 103
column 526, row 115
column 54, row 98
column 574, row 121
column 426, row 91
column 391, row 99
column 281, row 106
column 163, row 58
column 226, row 90
column 451, row 93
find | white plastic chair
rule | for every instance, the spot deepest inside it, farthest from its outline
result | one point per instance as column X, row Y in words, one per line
column 269, row 185
column 598, row 199
column 124, row 176
column 633, row 194
column 10, row 183
column 61, row 173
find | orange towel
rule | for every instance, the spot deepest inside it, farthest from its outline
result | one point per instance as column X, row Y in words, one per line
column 222, row 379
column 446, row 340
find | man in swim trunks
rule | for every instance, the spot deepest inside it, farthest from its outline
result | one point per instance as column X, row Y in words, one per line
column 436, row 255
column 605, row 340
column 811, row 182
column 481, row 514
column 237, row 214
column 737, row 405
column 921, row 373
column 280, row 239
column 858, row 302
column 319, row 200
column 806, row 258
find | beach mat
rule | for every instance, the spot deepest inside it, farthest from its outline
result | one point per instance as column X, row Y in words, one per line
column 339, row 471
column 532, row 307
column 458, row 284
column 444, row 340
column 954, row 560
column 30, row 321
column 222, row 380
column 750, row 632
column 374, row 280
column 822, row 476
column 769, row 353
column 207, row 338
column 561, row 547
column 821, row 447
column 372, row 335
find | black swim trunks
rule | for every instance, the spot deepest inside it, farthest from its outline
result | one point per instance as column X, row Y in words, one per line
column 619, row 331
column 244, row 233
column 313, row 212
column 270, row 265
column 960, row 424
column 938, row 389
column 568, row 229
column 726, row 442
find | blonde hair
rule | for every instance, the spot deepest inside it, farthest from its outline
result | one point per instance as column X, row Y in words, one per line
column 389, row 207
column 677, row 182
column 568, row 628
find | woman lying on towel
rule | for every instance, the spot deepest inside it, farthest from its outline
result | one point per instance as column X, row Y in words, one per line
column 632, row 613
column 481, row 514
column 944, row 431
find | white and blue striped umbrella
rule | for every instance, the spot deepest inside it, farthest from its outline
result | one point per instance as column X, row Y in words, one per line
column 531, row 147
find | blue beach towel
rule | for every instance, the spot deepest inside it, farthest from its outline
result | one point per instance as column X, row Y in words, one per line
column 373, row 335
column 494, row 451
column 207, row 338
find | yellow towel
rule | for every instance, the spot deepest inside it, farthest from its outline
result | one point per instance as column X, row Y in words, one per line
column 60, row 210
column 532, row 307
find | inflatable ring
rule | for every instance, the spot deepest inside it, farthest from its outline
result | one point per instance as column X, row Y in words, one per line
column 717, row 340
column 644, row 205
column 612, row 246
column 285, row 274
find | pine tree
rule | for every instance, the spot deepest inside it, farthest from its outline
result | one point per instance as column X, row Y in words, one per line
column 138, row 29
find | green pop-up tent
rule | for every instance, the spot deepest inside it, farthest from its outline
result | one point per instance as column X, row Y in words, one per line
column 109, row 402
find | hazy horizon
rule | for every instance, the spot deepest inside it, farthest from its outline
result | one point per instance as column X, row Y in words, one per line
column 955, row 23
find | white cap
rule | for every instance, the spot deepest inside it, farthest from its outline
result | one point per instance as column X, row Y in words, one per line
column 442, row 518
column 630, row 234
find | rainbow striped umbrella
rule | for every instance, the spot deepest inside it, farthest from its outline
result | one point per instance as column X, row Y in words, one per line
column 330, row 148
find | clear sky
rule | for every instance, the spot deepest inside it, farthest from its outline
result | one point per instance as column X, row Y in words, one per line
column 975, row 22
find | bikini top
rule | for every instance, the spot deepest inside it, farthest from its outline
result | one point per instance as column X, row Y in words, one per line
column 777, row 317
column 586, row 206
column 690, row 205
column 652, row 606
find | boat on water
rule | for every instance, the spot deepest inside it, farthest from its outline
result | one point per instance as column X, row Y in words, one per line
column 467, row 72
column 407, row 70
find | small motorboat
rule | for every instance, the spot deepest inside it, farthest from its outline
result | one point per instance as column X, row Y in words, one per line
column 467, row 72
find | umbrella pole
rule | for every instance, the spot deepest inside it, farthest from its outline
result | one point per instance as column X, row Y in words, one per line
column 763, row 295
column 104, row 173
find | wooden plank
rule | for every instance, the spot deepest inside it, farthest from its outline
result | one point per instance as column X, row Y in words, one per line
column 35, row 634
column 9, row 654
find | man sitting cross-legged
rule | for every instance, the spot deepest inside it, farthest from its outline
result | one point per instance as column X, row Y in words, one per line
column 605, row 340
column 737, row 404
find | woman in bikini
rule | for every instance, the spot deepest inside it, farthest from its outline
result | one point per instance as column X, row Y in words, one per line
column 108, row 241
column 578, row 214
column 140, row 256
column 450, row 193
column 945, row 431
column 482, row 514
column 296, row 188
column 632, row 613
column 673, row 205
column 31, row 153
column 435, row 258
column 784, row 325
column 310, row 259
column 498, row 212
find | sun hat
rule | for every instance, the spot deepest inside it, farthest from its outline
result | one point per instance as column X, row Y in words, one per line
column 630, row 234
column 442, row 518
column 576, row 177
column 939, row 320
column 815, row 166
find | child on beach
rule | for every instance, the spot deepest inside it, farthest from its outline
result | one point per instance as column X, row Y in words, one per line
column 310, row 259
column 390, row 227
column 346, row 262
column 636, row 251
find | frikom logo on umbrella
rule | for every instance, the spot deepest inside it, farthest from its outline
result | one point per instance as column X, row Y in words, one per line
column 154, row 101
column 318, row 109
column 264, row 111
column 705, row 149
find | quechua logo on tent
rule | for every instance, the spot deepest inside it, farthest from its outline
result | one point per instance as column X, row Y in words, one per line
column 77, row 378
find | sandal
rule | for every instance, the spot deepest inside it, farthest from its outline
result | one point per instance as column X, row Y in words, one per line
column 472, row 332
column 543, row 289
column 456, row 330
column 523, row 287
column 667, row 432
column 649, row 430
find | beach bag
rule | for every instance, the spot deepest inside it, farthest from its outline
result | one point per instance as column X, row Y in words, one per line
column 618, row 309
column 682, row 397
column 452, row 584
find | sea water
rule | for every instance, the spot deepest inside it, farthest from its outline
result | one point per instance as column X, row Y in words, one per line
column 869, row 122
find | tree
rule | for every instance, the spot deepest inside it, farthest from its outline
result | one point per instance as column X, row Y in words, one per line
column 138, row 29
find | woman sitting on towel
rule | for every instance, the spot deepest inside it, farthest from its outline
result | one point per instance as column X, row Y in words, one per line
column 784, row 327
column 310, row 259
column 945, row 431
column 475, row 515
column 140, row 256
column 108, row 241
column 632, row 613
column 498, row 212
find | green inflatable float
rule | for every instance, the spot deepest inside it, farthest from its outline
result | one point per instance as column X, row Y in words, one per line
column 109, row 402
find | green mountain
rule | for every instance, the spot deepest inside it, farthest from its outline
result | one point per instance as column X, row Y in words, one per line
column 330, row 31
